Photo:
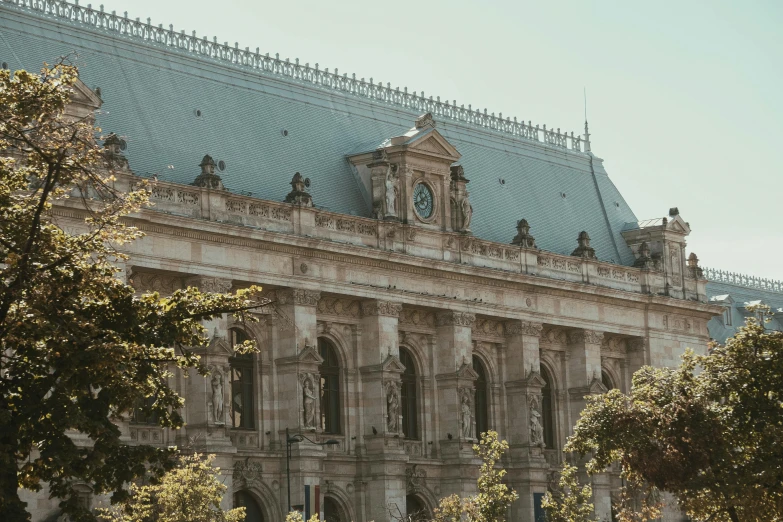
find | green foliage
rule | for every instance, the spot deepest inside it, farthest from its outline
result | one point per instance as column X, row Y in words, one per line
column 571, row 502
column 709, row 431
column 191, row 492
column 494, row 498
column 296, row 516
column 77, row 349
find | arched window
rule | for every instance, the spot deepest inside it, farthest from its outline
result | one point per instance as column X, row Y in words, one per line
column 547, row 409
column 481, row 399
column 330, row 387
column 242, row 403
column 607, row 381
column 252, row 510
column 332, row 511
column 410, row 407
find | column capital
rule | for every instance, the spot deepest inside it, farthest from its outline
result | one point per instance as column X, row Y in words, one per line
column 512, row 328
column 452, row 318
column 210, row 284
column 585, row 336
column 298, row 296
column 375, row 307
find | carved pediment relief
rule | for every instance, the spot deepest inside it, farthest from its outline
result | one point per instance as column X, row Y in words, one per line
column 219, row 345
column 467, row 372
column 433, row 142
column 534, row 379
column 310, row 355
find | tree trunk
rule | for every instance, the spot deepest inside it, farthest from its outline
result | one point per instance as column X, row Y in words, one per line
column 733, row 514
column 12, row 508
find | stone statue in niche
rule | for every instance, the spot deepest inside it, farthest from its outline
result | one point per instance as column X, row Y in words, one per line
column 536, row 426
column 217, row 397
column 466, row 410
column 390, row 191
column 392, row 408
column 308, row 401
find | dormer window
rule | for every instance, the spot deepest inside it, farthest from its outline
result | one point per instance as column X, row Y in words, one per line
column 727, row 317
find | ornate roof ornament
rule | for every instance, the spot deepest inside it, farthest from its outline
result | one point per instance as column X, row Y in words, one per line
column 425, row 120
column 644, row 260
column 694, row 268
column 299, row 194
column 584, row 249
column 458, row 174
column 523, row 237
column 208, row 179
column 112, row 152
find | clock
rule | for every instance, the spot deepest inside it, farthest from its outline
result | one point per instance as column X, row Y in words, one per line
column 423, row 201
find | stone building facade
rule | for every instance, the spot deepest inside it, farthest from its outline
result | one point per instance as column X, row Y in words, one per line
column 412, row 312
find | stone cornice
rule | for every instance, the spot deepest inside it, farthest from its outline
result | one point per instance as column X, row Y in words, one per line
column 452, row 318
column 512, row 328
column 298, row 296
column 381, row 308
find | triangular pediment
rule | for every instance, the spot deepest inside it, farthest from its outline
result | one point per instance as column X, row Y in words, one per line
column 85, row 96
column 218, row 345
column 392, row 364
column 534, row 379
column 677, row 224
column 596, row 387
column 467, row 372
column 310, row 355
column 432, row 142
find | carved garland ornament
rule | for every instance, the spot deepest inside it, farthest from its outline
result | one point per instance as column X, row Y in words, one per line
column 298, row 296
column 523, row 328
column 585, row 336
column 382, row 308
column 456, row 319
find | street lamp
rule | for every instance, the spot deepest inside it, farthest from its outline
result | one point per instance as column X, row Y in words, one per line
column 289, row 441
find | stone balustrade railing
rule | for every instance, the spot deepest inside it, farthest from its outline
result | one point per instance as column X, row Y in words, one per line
column 313, row 76
column 225, row 207
column 732, row 278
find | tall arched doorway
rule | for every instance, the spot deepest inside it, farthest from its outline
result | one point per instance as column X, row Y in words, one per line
column 252, row 509
column 332, row 511
column 415, row 509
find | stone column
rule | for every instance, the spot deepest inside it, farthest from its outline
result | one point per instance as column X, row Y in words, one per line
column 455, row 388
column 584, row 377
column 297, row 360
column 298, row 385
column 208, row 398
column 381, row 407
column 527, row 468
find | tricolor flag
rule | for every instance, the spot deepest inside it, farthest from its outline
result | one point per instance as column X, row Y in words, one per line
column 312, row 498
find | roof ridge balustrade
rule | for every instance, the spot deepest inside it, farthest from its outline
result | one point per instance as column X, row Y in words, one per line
column 244, row 58
column 747, row 281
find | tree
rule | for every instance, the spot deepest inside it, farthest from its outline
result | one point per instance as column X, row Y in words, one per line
column 191, row 492
column 494, row 498
column 710, row 431
column 78, row 350
column 571, row 502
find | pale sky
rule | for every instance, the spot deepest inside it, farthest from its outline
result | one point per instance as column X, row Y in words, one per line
column 685, row 99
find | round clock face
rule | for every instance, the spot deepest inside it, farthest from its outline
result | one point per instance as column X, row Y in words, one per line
column 423, row 200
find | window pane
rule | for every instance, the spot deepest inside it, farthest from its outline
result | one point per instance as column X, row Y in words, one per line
column 481, row 399
column 408, row 397
column 547, row 411
column 330, row 387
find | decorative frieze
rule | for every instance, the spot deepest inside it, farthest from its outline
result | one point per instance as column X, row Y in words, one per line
column 585, row 336
column 298, row 296
column 382, row 308
column 417, row 317
column 554, row 336
column 153, row 282
column 451, row 318
column 523, row 328
column 210, row 284
column 488, row 326
column 339, row 307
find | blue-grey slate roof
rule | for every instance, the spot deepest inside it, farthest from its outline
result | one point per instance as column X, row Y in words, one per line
column 151, row 93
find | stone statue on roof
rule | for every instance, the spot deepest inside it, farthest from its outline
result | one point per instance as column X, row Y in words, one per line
column 390, row 194
column 208, row 179
column 299, row 194
column 112, row 153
